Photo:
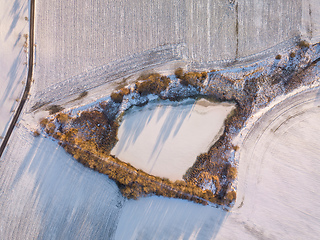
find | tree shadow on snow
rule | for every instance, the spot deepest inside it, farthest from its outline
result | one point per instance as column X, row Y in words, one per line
column 141, row 117
column 72, row 201
column 12, row 75
column 17, row 11
column 163, row 218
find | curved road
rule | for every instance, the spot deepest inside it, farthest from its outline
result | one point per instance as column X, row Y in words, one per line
column 29, row 79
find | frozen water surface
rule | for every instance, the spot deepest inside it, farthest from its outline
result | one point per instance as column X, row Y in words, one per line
column 164, row 138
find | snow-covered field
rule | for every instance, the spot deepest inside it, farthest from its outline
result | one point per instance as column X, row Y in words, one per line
column 164, row 138
column 279, row 171
column 46, row 194
column 82, row 45
column 13, row 68
column 310, row 22
column 278, row 198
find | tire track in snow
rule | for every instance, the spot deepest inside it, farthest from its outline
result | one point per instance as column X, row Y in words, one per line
column 278, row 111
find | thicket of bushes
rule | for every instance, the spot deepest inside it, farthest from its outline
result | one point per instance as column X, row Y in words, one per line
column 153, row 83
column 81, row 137
column 117, row 96
column 194, row 79
column 91, row 136
column 135, row 183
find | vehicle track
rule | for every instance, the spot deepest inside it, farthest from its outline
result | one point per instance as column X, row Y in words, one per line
column 277, row 112
column 28, row 83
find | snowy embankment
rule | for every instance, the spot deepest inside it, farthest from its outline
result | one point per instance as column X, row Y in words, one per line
column 164, row 138
column 14, row 31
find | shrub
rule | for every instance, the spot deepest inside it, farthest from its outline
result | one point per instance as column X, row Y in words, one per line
column 216, row 182
column 235, row 148
column 231, row 173
column 50, row 127
column 278, row 57
column 54, row 109
column 178, row 72
column 304, row 44
column 36, row 133
column 154, row 84
column 94, row 126
column 193, row 78
column 292, row 54
column 230, row 196
column 203, row 157
column 82, row 95
column 117, row 97
column 62, row 118
column 44, row 122
column 204, row 75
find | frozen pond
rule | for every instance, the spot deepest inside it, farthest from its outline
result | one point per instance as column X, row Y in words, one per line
column 164, row 138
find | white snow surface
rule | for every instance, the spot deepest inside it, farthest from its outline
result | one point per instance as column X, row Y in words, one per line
column 46, row 194
column 310, row 27
column 278, row 197
column 164, row 138
column 83, row 45
column 13, row 70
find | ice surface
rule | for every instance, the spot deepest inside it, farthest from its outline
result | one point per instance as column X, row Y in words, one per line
column 164, row 138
